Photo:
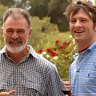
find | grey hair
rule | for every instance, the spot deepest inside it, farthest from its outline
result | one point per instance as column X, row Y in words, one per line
column 17, row 13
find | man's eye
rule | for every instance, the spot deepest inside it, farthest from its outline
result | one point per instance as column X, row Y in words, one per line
column 84, row 20
column 20, row 31
column 72, row 21
column 9, row 31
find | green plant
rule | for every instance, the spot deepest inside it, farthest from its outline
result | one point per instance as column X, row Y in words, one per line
column 2, row 9
column 60, row 55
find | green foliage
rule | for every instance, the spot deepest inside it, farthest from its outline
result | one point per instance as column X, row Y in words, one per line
column 40, row 38
column 52, row 5
column 2, row 9
column 7, row 2
column 60, row 55
column 42, row 8
column 44, row 39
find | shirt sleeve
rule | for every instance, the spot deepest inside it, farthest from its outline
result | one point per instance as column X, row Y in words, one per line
column 54, row 85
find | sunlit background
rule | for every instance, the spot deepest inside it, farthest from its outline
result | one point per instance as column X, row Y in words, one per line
column 93, row 1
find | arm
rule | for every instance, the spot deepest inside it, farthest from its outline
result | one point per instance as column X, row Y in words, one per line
column 12, row 92
column 54, row 85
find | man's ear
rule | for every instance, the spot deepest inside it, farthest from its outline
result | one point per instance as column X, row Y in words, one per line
column 30, row 33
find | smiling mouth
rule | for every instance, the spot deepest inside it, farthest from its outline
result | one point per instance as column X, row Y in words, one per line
column 15, row 43
column 79, row 31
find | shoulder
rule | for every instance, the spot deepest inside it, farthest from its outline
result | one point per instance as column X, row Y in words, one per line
column 46, row 67
column 45, row 62
column 41, row 62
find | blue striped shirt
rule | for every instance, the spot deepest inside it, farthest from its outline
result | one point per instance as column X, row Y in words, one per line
column 33, row 76
column 83, row 73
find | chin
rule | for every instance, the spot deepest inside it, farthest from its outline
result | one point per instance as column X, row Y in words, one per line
column 15, row 49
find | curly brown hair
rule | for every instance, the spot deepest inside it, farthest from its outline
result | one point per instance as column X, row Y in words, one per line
column 87, row 7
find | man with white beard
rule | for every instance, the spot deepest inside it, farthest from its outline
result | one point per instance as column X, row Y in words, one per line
column 22, row 71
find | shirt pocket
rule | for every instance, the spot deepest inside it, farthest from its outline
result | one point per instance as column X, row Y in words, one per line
column 92, row 75
column 36, row 83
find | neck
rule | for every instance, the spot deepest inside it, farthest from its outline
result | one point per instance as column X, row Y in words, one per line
column 83, row 46
column 82, row 50
column 17, row 57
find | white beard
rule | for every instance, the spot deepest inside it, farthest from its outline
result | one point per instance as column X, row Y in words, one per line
column 15, row 49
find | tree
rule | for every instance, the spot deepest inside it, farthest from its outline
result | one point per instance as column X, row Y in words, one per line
column 42, row 8
column 55, row 11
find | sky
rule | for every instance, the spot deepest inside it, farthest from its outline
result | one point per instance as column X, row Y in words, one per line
column 92, row 1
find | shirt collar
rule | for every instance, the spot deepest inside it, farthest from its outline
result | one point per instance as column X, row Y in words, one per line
column 89, row 49
column 31, row 51
column 93, row 46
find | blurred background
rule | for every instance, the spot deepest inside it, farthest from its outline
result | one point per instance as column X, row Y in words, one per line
column 51, row 37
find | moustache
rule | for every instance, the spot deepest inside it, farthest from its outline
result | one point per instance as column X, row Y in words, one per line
column 15, row 41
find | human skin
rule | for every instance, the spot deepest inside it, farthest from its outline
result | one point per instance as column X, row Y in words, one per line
column 82, row 29
column 16, row 34
column 12, row 92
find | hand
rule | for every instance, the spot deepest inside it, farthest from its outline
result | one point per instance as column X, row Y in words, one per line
column 12, row 92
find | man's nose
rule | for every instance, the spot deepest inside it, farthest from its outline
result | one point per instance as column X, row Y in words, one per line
column 15, row 35
column 78, row 24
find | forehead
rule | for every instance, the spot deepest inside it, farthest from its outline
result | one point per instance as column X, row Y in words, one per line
column 80, row 13
column 11, row 21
